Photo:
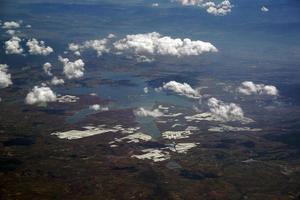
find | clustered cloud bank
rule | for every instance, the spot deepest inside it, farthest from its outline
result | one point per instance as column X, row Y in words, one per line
column 218, row 9
column 12, row 46
column 11, row 25
column 72, row 69
column 39, row 95
column 250, row 88
column 5, row 78
column 144, row 47
column 38, row 47
column 226, row 111
column 182, row 89
column 100, row 46
column 154, row 44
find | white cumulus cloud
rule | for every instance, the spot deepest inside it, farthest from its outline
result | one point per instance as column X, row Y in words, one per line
column 74, row 47
column 146, row 90
column 220, row 9
column 5, row 78
column 11, row 32
column 212, row 7
column 38, row 47
column 97, row 107
column 264, row 9
column 111, row 35
column 11, row 25
column 226, row 111
column 191, row 2
column 57, row 81
column 154, row 44
column 183, row 89
column 72, row 69
column 250, row 88
column 40, row 95
column 13, row 46
column 100, row 46
column 47, row 68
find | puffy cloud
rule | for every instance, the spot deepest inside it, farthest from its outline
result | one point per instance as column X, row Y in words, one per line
column 264, row 9
column 219, row 9
column 73, row 47
column 97, row 107
column 145, row 46
column 40, row 95
column 12, row 46
column 5, row 78
column 72, row 69
column 77, row 53
column 100, row 46
column 146, row 90
column 226, row 111
column 111, row 35
column 47, row 68
column 154, row 44
column 249, row 88
column 191, row 2
column 183, row 89
column 142, row 112
column 38, row 47
column 57, row 81
column 11, row 32
column 155, row 5
column 11, row 25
